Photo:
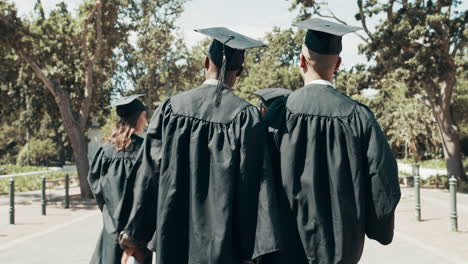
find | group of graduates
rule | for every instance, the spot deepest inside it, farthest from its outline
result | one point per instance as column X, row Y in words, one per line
column 216, row 181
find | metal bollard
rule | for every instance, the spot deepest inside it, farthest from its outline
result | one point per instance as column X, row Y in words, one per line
column 12, row 201
column 453, row 204
column 43, row 195
column 67, row 193
column 417, row 191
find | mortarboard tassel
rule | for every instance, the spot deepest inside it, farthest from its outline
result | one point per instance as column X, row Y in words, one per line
column 221, row 75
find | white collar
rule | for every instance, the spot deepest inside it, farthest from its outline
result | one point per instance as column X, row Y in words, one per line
column 213, row 82
column 322, row 82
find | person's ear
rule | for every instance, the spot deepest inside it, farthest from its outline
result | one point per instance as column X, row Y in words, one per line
column 207, row 62
column 303, row 62
column 239, row 72
column 338, row 64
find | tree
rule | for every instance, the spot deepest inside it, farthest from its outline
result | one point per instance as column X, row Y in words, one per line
column 419, row 42
column 151, row 65
column 393, row 108
column 71, row 58
column 275, row 66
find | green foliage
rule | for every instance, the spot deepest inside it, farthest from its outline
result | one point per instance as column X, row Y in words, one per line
column 439, row 181
column 157, row 63
column 407, row 124
column 13, row 168
column 56, row 43
column 273, row 67
column 462, row 187
column 110, row 123
column 460, row 108
column 39, row 151
column 10, row 145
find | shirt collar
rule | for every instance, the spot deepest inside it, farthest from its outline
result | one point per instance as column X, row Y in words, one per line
column 214, row 82
column 211, row 82
column 322, row 82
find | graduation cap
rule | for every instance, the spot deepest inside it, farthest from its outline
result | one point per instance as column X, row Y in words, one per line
column 324, row 37
column 268, row 95
column 227, row 51
column 128, row 105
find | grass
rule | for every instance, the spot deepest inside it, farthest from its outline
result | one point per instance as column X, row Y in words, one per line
column 27, row 183
column 11, row 168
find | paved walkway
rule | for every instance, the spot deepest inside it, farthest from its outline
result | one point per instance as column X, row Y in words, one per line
column 69, row 235
column 429, row 241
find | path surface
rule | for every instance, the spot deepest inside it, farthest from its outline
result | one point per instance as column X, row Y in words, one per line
column 69, row 235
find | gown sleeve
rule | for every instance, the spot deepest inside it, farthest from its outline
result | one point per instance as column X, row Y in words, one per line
column 254, row 210
column 383, row 192
column 141, row 190
column 98, row 165
column 266, row 237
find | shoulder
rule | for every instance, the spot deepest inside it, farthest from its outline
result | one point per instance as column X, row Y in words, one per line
column 320, row 100
column 107, row 149
column 109, row 152
column 365, row 113
column 199, row 103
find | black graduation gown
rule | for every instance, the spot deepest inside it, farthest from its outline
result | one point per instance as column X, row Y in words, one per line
column 203, row 182
column 338, row 177
column 107, row 176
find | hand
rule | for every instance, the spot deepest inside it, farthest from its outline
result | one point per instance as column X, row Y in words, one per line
column 135, row 252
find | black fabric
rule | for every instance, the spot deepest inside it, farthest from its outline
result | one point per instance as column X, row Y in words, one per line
column 135, row 106
column 108, row 173
column 234, row 57
column 323, row 43
column 201, row 193
column 338, row 177
column 269, row 95
column 323, row 36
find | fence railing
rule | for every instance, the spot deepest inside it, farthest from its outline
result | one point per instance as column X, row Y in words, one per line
column 29, row 173
column 44, row 182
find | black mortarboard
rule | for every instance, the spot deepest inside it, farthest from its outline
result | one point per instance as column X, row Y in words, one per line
column 268, row 95
column 128, row 105
column 324, row 37
column 227, row 51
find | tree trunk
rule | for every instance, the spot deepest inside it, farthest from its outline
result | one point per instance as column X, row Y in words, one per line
column 75, row 123
column 82, row 165
column 77, row 139
column 450, row 141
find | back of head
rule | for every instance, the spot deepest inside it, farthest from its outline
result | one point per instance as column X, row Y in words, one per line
column 323, row 44
column 129, row 114
column 321, row 63
column 234, row 57
column 121, row 134
column 227, row 53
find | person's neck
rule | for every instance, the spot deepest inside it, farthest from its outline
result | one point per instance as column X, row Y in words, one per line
column 211, row 75
column 312, row 76
column 214, row 76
